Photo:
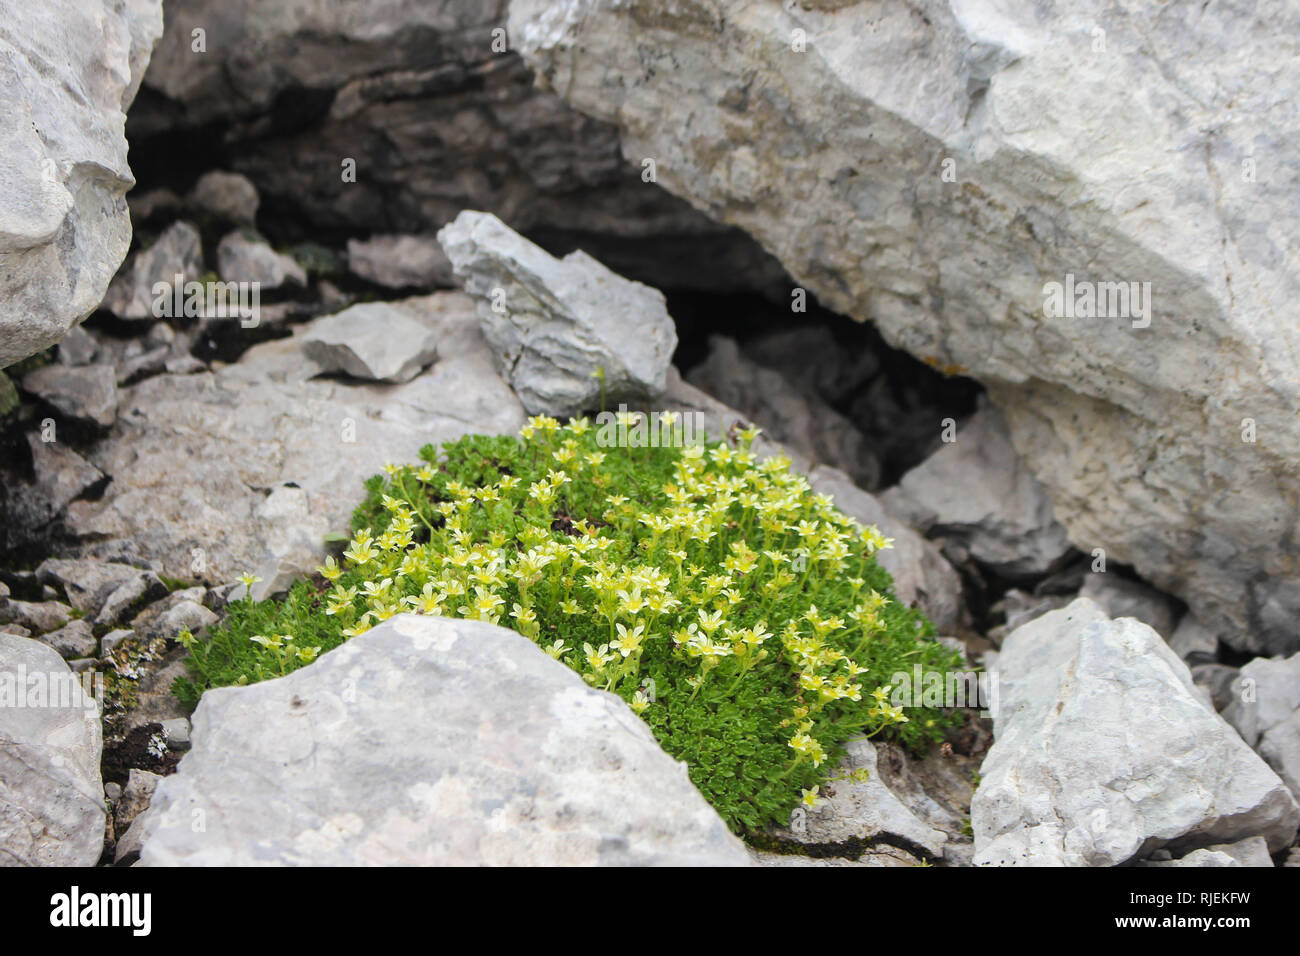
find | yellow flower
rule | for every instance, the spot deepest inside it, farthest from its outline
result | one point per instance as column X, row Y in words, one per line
column 629, row 642
column 809, row 798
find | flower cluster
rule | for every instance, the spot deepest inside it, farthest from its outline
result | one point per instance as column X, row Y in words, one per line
column 739, row 613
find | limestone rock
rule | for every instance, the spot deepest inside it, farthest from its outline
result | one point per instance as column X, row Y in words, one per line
column 51, row 792
column 400, row 262
column 976, row 491
column 516, row 762
column 38, row 616
column 1120, row 597
column 374, row 341
column 177, row 251
column 74, row 640
column 68, row 71
column 1104, row 752
column 861, row 812
column 87, row 394
column 231, row 197
column 933, row 167
column 1265, row 709
column 553, row 324
column 244, row 259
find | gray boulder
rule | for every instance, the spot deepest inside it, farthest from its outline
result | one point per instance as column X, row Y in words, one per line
column 515, row 762
column 231, row 197
column 861, row 812
column 86, row 394
column 51, row 793
column 977, row 492
column 1104, row 752
column 1265, row 709
column 241, row 258
column 1120, row 597
column 74, row 640
column 87, row 583
column 554, row 324
column 38, row 616
column 400, row 262
column 69, row 70
column 374, row 341
column 177, row 251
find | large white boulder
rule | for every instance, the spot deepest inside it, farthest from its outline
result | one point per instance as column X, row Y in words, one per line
column 68, row 71
column 933, row 166
column 1104, row 751
column 429, row 741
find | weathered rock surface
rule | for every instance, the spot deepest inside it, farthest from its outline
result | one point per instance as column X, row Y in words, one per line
column 1265, row 709
column 51, row 792
column 68, row 71
column 374, row 340
column 86, row 394
column 554, row 323
column 517, row 762
column 400, row 262
column 284, row 456
column 244, row 259
column 38, row 616
column 796, row 419
column 930, row 167
column 1194, row 642
column 177, row 251
column 1104, row 752
column 87, row 584
column 977, row 492
column 860, row 813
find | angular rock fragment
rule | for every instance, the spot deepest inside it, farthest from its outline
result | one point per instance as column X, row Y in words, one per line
column 1104, row 752
column 566, row 333
column 517, row 762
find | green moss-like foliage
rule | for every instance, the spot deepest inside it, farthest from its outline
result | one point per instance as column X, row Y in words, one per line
column 741, row 615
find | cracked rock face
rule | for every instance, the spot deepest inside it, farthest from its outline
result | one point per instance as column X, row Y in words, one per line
column 429, row 741
column 248, row 468
column 68, row 71
column 1104, row 752
column 932, row 166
